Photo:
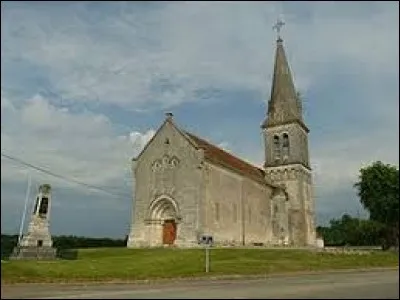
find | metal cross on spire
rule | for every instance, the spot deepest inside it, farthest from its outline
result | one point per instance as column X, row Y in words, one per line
column 277, row 27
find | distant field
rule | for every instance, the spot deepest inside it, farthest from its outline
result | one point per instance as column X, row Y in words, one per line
column 107, row 264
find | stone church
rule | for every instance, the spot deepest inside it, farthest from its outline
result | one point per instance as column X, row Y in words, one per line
column 186, row 187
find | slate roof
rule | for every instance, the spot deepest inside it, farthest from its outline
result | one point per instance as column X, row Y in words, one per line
column 220, row 157
column 284, row 105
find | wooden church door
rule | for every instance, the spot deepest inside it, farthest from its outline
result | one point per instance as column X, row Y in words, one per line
column 169, row 232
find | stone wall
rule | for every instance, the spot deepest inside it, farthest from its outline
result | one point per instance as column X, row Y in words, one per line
column 170, row 167
column 298, row 145
column 297, row 180
column 38, row 230
column 236, row 209
column 291, row 169
column 172, row 180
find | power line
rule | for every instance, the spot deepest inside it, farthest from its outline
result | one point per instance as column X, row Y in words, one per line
column 22, row 162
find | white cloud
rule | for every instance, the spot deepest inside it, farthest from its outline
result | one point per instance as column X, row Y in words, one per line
column 337, row 162
column 139, row 140
column 165, row 56
column 83, row 146
column 6, row 104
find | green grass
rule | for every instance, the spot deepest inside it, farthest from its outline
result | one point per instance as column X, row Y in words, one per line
column 109, row 264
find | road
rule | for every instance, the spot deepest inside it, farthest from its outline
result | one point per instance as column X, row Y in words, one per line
column 383, row 284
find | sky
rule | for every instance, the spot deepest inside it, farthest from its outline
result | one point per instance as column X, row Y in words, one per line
column 85, row 85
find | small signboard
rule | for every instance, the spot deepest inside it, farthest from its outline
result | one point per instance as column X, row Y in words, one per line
column 207, row 241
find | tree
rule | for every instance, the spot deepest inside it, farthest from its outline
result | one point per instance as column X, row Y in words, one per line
column 352, row 232
column 378, row 189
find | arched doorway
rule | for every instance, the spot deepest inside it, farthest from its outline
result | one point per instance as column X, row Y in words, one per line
column 164, row 217
column 169, row 232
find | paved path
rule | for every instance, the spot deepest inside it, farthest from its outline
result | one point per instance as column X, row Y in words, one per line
column 339, row 285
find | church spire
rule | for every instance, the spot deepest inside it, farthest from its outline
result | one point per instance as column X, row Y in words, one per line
column 284, row 105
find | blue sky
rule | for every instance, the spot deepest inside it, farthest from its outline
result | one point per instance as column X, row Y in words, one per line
column 84, row 85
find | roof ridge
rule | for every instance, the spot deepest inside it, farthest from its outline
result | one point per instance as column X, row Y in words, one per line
column 219, row 148
column 219, row 156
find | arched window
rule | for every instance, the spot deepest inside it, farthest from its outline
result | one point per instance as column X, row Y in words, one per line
column 44, row 206
column 277, row 148
column 285, row 144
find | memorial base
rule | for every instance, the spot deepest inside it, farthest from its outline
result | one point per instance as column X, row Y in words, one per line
column 34, row 253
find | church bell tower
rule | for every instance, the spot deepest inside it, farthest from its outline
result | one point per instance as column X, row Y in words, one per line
column 287, row 160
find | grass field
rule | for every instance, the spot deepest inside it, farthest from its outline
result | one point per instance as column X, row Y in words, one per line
column 109, row 264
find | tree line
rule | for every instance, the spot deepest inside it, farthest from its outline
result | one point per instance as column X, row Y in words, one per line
column 350, row 231
column 8, row 242
column 378, row 190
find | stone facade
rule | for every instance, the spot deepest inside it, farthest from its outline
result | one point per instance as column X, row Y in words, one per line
column 235, row 207
column 183, row 180
column 287, row 161
column 168, row 186
column 37, row 243
column 176, row 181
